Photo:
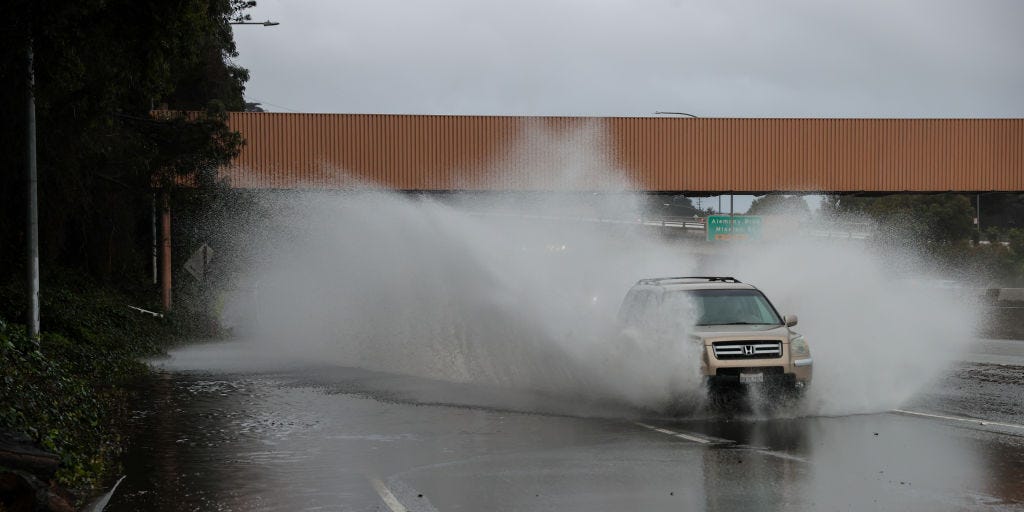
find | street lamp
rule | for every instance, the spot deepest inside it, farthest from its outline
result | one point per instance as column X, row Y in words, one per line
column 675, row 114
column 687, row 114
column 267, row 23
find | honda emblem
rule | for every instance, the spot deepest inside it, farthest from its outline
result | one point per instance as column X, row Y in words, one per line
column 748, row 350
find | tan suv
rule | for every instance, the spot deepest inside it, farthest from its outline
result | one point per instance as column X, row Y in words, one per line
column 744, row 340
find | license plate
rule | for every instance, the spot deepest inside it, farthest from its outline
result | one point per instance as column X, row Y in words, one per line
column 751, row 377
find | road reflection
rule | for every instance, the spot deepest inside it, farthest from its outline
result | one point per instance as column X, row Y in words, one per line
column 317, row 438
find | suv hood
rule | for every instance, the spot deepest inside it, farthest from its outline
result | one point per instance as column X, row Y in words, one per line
column 705, row 332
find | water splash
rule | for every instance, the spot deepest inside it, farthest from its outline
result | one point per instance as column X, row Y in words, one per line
column 451, row 291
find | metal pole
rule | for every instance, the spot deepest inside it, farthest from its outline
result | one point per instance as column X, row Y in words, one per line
column 32, row 231
column 165, row 232
column 979, row 216
column 156, row 241
column 731, row 209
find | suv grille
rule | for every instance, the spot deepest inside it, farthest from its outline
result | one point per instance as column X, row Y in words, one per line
column 752, row 349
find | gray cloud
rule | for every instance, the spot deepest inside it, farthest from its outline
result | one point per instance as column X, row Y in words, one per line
column 790, row 58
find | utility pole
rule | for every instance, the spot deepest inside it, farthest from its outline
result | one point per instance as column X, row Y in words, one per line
column 32, row 225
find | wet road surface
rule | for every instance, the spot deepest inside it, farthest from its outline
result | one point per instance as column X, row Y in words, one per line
column 329, row 438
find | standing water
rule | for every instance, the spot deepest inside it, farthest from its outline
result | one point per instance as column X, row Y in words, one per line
column 384, row 298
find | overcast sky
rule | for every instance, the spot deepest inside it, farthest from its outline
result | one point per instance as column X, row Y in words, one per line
column 790, row 58
column 726, row 58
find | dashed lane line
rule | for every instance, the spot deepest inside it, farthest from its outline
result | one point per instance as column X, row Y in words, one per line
column 959, row 418
column 676, row 434
column 387, row 496
column 783, row 455
column 688, row 436
column 707, row 441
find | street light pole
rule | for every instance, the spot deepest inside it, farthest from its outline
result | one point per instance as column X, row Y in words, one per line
column 32, row 224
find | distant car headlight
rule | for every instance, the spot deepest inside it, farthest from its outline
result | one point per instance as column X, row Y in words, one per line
column 798, row 347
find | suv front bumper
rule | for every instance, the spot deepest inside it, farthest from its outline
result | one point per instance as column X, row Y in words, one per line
column 781, row 369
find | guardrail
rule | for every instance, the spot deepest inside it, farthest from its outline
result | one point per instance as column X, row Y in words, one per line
column 841, row 230
column 666, row 222
column 1005, row 294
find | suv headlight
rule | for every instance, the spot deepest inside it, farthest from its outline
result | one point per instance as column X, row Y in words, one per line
column 798, row 347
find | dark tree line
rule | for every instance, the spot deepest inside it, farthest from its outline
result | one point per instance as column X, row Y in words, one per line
column 778, row 203
column 101, row 68
column 938, row 218
column 943, row 225
column 924, row 218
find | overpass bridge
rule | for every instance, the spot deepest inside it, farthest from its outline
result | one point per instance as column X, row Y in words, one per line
column 643, row 154
column 646, row 154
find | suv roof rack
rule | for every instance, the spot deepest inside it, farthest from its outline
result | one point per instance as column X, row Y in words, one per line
column 710, row 279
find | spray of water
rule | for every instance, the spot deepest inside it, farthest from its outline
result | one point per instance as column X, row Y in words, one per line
column 876, row 337
column 489, row 290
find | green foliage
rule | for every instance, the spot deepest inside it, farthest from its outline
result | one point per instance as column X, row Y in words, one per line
column 676, row 205
column 778, row 204
column 80, row 308
column 934, row 219
column 69, row 394
column 46, row 396
column 943, row 226
column 1016, row 239
column 100, row 67
column 1003, row 210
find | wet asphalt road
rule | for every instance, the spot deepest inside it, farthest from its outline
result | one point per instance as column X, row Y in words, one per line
column 329, row 438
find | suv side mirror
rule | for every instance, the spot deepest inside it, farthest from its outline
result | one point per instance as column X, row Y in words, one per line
column 790, row 320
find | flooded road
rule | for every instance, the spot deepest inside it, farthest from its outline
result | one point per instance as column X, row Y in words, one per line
column 222, row 431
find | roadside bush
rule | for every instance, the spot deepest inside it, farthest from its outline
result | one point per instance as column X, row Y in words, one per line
column 64, row 398
column 1016, row 238
column 70, row 393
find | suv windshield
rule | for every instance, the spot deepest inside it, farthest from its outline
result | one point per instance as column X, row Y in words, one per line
column 732, row 307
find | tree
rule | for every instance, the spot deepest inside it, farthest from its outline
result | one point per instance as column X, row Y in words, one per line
column 100, row 67
column 676, row 205
column 1002, row 210
column 1015, row 237
column 927, row 218
column 778, row 204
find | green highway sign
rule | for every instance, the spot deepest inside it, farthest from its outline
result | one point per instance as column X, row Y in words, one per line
column 739, row 227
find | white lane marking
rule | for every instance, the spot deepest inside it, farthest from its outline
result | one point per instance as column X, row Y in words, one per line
column 680, row 435
column 784, row 456
column 387, row 496
column 704, row 440
column 958, row 418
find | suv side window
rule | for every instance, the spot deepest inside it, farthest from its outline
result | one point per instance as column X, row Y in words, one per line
column 629, row 310
column 638, row 305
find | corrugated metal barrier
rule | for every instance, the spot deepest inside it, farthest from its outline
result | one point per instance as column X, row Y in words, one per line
column 412, row 152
